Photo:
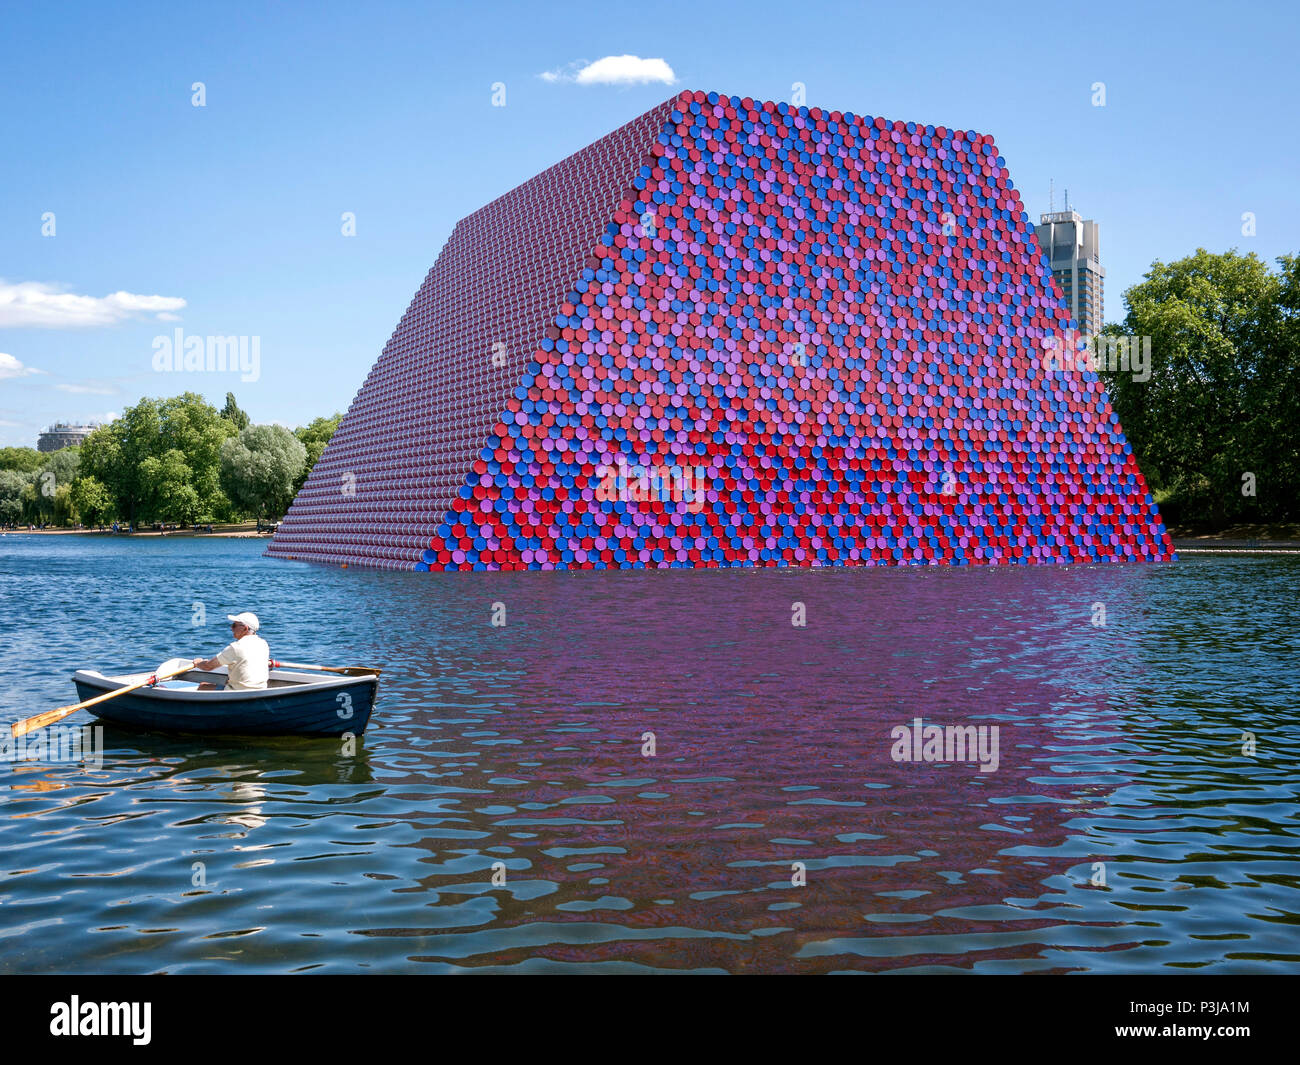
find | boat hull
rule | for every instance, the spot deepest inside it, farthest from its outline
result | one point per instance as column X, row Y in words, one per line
column 317, row 708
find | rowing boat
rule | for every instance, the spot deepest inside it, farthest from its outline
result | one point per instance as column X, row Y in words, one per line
column 292, row 704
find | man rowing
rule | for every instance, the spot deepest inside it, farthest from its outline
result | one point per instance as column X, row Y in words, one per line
column 246, row 657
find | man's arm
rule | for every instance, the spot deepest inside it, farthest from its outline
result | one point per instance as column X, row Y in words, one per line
column 223, row 657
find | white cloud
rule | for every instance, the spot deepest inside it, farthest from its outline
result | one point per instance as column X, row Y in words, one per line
column 626, row 70
column 614, row 70
column 36, row 304
column 11, row 367
column 88, row 389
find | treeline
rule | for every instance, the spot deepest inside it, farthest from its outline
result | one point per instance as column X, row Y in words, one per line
column 172, row 460
column 1214, row 420
column 1216, row 427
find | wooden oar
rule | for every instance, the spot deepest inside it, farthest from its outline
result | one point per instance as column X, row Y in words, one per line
column 18, row 728
column 349, row 671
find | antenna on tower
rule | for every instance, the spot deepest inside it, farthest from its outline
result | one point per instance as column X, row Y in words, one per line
column 1051, row 195
column 1067, row 199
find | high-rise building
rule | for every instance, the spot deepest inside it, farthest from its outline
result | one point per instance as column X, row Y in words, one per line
column 64, row 435
column 1074, row 249
column 734, row 333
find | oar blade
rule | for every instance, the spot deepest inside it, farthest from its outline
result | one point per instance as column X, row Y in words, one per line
column 21, row 728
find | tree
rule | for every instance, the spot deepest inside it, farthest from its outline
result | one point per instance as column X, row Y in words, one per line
column 91, row 501
column 233, row 414
column 64, row 512
column 12, row 487
column 112, row 454
column 117, row 456
column 57, row 471
column 168, row 481
column 193, row 427
column 1218, row 414
column 33, row 510
column 260, row 467
column 1278, row 385
column 20, row 459
column 314, row 437
column 63, row 463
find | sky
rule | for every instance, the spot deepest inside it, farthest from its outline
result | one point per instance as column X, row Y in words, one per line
column 127, row 212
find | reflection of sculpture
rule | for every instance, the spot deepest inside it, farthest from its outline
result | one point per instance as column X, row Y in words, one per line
column 837, row 325
column 773, row 745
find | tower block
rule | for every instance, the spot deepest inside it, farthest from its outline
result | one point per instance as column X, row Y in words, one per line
column 735, row 333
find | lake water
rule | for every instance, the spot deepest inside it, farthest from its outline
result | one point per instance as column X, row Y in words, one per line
column 504, row 810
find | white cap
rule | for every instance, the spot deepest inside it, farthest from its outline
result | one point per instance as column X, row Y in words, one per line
column 246, row 618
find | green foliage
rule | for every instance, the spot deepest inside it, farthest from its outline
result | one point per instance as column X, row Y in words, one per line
column 1223, row 396
column 314, row 437
column 45, row 502
column 35, row 509
column 161, row 461
column 64, row 512
column 20, row 459
column 112, row 454
column 260, row 469
column 13, row 485
column 233, row 414
column 167, row 480
column 91, row 501
column 63, row 463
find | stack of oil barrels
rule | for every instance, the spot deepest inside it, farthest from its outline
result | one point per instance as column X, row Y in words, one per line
column 805, row 338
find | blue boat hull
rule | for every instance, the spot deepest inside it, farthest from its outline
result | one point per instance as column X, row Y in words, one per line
column 330, row 708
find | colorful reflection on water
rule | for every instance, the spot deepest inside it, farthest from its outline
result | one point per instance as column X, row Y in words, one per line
column 658, row 770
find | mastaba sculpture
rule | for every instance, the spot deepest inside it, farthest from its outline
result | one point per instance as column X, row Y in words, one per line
column 735, row 333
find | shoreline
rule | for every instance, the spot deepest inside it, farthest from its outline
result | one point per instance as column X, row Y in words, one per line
column 1235, row 540
column 230, row 532
column 1278, row 539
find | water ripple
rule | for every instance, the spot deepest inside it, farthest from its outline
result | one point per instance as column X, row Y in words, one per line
column 652, row 771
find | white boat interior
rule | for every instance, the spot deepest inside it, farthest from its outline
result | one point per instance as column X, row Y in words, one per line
column 190, row 680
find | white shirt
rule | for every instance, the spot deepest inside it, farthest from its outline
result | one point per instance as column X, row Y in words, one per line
column 247, row 660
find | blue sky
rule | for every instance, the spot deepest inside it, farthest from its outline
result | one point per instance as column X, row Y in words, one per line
column 385, row 110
